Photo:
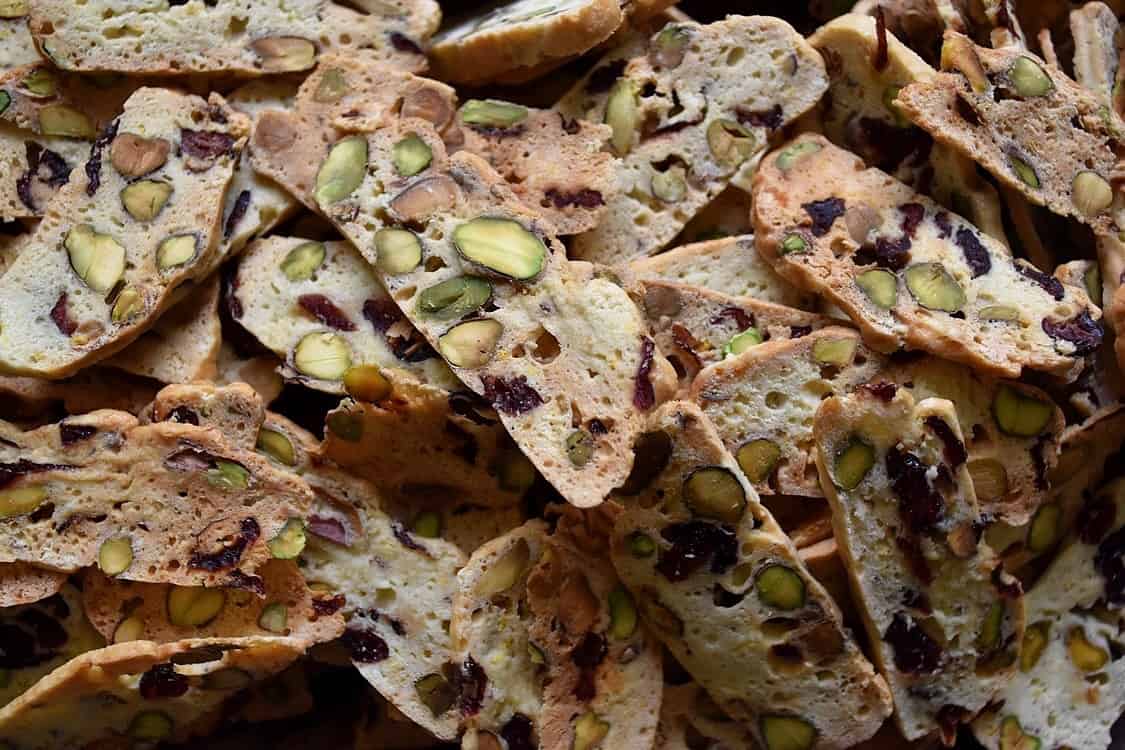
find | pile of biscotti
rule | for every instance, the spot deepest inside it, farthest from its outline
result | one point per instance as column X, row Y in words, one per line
column 570, row 374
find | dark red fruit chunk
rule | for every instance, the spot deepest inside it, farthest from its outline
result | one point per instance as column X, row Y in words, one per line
column 205, row 144
column 324, row 310
column 949, row 716
column 590, row 651
column 519, row 734
column 976, row 256
column 768, row 118
column 13, row 471
column 882, row 390
column 740, row 317
column 955, row 453
column 236, row 579
column 510, row 395
column 796, row 332
column 944, row 225
column 885, row 253
column 163, row 681
column 912, row 215
column 230, row 554
column 693, row 544
column 404, row 538
column 824, row 214
column 1081, row 330
column 44, row 165
column 94, row 163
column 1110, row 562
column 60, row 314
column 471, row 684
column 880, row 59
column 584, row 198
column 331, row 529
column 1052, row 285
column 364, row 646
column 70, row 434
column 919, row 504
column 644, row 396
column 915, row 651
column 330, row 606
column 241, row 203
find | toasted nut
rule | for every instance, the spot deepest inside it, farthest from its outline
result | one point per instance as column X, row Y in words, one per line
column 303, row 261
column 660, row 617
column 115, row 555
column 399, row 250
column 129, row 629
column 1024, row 171
column 1020, row 415
column 427, row 525
column 277, row 446
column 787, row 733
column 1091, row 193
column 436, row 693
column 144, row 199
column 17, row 501
column 501, row 245
column 933, row 287
column 1045, row 528
column 490, row 113
column 150, row 725
column 366, row 383
column 1092, row 280
column 5, row 99
column 580, row 447
column 290, row 541
column 345, row 426
column 794, row 243
column 1012, row 736
column 229, row 679
column 780, row 587
column 990, row 478
column 1034, row 643
column 40, row 82
column 470, row 344
column 834, row 352
column 669, row 46
column 430, row 104
column 1085, row 655
column 880, row 286
column 622, row 115
column 758, row 458
column 890, row 93
column 740, row 342
column 730, row 143
column 622, row 614
column 128, row 304
column 274, row 618
column 454, row 298
column 791, row 155
column 1029, row 78
column 322, row 355
column 669, row 186
column 590, row 731
column 641, row 545
column 411, row 155
column 133, row 155
column 853, row 463
column 285, row 54
column 999, row 312
column 194, row 606
column 342, row 171
column 861, row 219
column 535, row 654
column 715, row 492
column 957, row 53
column 13, row 8
column 516, row 473
column 332, row 87
column 98, row 259
column 64, row 121
column 229, row 474
column 989, row 636
column 176, row 251
column 425, row 198
column 506, row 571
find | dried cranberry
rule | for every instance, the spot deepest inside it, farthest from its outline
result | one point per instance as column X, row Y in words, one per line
column 183, row 415
column 324, row 310
column 644, row 396
column 1052, row 285
column 518, row 733
column 584, row 198
column 94, row 164
column 60, row 314
column 364, row 646
column 236, row 579
column 882, row 390
column 597, row 427
column 912, row 215
column 404, row 538
column 205, row 144
column 740, row 317
column 46, row 166
column 919, row 504
column 796, row 332
column 693, row 544
column 330, row 606
column 915, row 651
column 976, row 256
column 403, row 43
column 331, row 529
column 771, row 118
column 824, row 214
column 885, row 253
column 955, row 453
column 880, row 58
column 70, row 434
column 510, row 395
column 13, row 471
column 1081, row 330
column 944, row 225
column 1110, row 562
column 163, row 681
column 590, row 651
column 241, row 203
column 603, row 78
column 230, row 554
column 471, row 685
column 1095, row 519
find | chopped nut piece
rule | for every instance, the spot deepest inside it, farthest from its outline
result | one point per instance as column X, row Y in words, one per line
column 1045, row 528
column 730, row 143
column 285, row 54
column 1092, row 280
column 957, row 53
column 491, row 113
column 590, row 731
column 1000, row 312
column 1034, row 643
column 794, row 243
column 780, row 586
column 303, row 261
column 580, row 447
column 399, row 250
column 1012, row 736
column 98, row 259
column 150, row 725
column 20, row 500
column 621, row 112
column 669, row 186
column 715, row 492
column 146, row 198
column 758, row 458
column 274, row 618
column 176, row 251
column 128, row 304
column 129, row 629
column 322, row 355
column 455, row 298
column 425, row 197
column 622, row 614
column 669, row 46
column 470, row 344
column 1024, row 171
column 1085, row 655
column 115, row 555
column 277, row 446
column 430, row 104
column 135, row 156
column 835, row 352
column 436, row 693
column 61, row 120
column 290, row 541
column 1029, row 79
column 40, row 82
column 1020, row 415
column 503, row 246
column 194, row 606
column 990, row 479
column 516, row 472
column 411, row 155
column 989, row 636
column 740, row 342
column 506, row 571
column 933, row 287
column 787, row 733
column 332, row 87
column 641, row 545
column 342, row 171
column 791, row 155
column 1091, row 193
column 228, row 474
column 427, row 525
column 5, row 100
column 853, row 463
column 366, row 383
column 880, row 286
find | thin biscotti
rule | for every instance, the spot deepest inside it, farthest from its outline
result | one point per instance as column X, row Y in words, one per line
column 719, row 582
column 1070, row 686
column 248, row 37
column 910, row 273
column 762, row 403
column 944, row 619
column 320, row 307
column 138, row 221
column 712, row 97
column 1034, row 129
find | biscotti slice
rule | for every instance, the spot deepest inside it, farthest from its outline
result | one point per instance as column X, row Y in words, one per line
column 910, row 273
column 696, row 327
column 320, row 307
column 143, row 691
column 762, row 403
column 1012, row 433
column 866, row 71
column 719, row 582
column 34, row 168
column 558, row 348
column 17, row 47
column 248, row 37
column 506, row 36
column 689, row 718
column 43, row 636
column 713, row 96
column 128, row 611
column 1070, row 686
column 1033, row 128
column 178, row 503
column 944, row 620
column 729, row 265
column 138, row 221
column 554, row 165
column 22, row 583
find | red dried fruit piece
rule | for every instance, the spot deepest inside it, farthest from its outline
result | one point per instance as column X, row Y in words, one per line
column 915, row 651
column 70, row 434
column 912, row 215
column 644, row 396
column 471, row 684
column 60, row 314
column 693, row 544
column 955, row 453
column 205, row 144
column 94, row 164
column 771, row 118
column 331, row 529
column 230, row 554
column 584, row 198
column 364, row 646
column 1052, row 285
column 510, row 395
column 976, row 256
column 1081, row 330
column 324, row 310
column 920, row 505
column 241, row 203
column 162, row 681
column 823, row 214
